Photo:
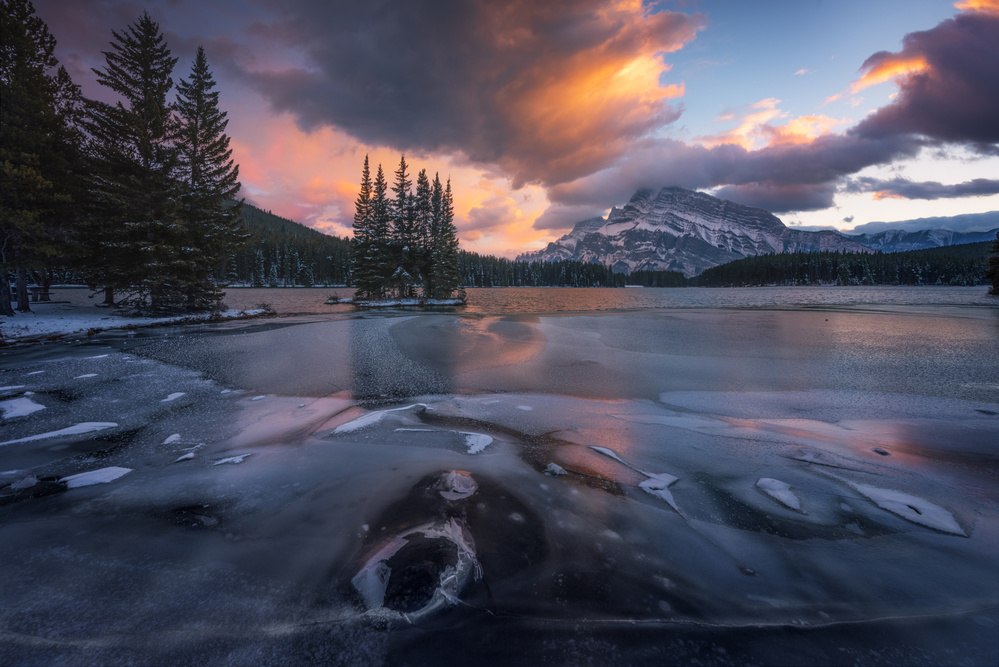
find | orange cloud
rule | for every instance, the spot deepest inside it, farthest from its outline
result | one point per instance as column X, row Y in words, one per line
column 802, row 130
column 889, row 67
column 747, row 132
column 984, row 6
column 879, row 195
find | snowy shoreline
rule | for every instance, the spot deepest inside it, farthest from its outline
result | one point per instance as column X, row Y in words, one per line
column 53, row 321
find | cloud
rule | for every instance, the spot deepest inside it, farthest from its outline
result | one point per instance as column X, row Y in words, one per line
column 550, row 91
column 969, row 222
column 948, row 83
column 848, row 219
column 801, row 72
column 563, row 217
column 902, row 188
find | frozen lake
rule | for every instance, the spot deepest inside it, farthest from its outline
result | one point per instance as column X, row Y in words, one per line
column 632, row 476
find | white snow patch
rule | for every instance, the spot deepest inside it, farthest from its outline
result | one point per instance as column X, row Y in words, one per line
column 476, row 442
column 18, row 407
column 258, row 398
column 76, row 429
column 15, row 386
column 658, row 486
column 909, row 507
column 172, row 439
column 525, row 408
column 779, row 491
column 456, row 485
column 609, row 452
column 35, row 373
column 231, row 459
column 187, row 457
column 173, row 397
column 363, row 421
column 99, row 356
column 101, row 476
column 25, row 482
column 85, row 375
column 554, row 469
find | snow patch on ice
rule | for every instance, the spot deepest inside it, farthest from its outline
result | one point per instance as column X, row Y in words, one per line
column 258, row 398
column 779, row 491
column 99, row 356
column 186, row 457
column 101, row 476
column 85, row 375
column 911, row 508
column 76, row 429
column 456, row 485
column 173, row 397
column 24, row 483
column 525, row 408
column 476, row 442
column 231, row 459
column 15, row 386
column 554, row 470
column 363, row 421
column 657, row 484
column 18, row 407
column 172, row 439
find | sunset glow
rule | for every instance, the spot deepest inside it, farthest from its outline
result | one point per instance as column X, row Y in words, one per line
column 543, row 114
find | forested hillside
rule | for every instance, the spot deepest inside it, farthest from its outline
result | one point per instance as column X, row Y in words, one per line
column 488, row 271
column 949, row 265
column 282, row 253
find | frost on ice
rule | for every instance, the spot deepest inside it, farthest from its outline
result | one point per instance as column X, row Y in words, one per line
column 18, row 407
column 779, row 491
column 231, row 459
column 172, row 397
column 656, row 485
column 100, row 476
column 476, row 442
column 76, row 429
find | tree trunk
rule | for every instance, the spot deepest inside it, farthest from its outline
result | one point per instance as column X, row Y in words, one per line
column 108, row 296
column 5, row 305
column 22, row 291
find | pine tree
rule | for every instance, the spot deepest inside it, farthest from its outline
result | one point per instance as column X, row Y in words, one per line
column 422, row 225
column 447, row 277
column 404, row 231
column 366, row 279
column 136, row 235
column 380, row 251
column 39, row 149
column 211, row 181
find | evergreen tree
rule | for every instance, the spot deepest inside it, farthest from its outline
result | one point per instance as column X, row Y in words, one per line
column 380, row 252
column 404, row 232
column 211, row 181
column 366, row 279
column 446, row 276
column 39, row 149
column 423, row 224
column 136, row 235
column 993, row 272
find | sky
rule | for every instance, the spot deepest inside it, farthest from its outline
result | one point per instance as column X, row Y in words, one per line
column 828, row 113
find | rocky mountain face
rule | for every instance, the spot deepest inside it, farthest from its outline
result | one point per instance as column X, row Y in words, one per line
column 682, row 230
column 897, row 240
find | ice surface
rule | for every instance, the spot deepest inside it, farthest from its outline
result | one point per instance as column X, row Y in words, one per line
column 779, row 491
column 100, row 476
column 14, row 386
column 364, row 421
column 457, row 485
column 231, row 459
column 476, row 442
column 173, row 397
column 25, row 482
column 909, row 507
column 18, row 407
column 76, row 429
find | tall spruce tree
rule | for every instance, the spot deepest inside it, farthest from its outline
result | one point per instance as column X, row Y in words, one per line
column 210, row 183
column 404, row 232
column 365, row 277
column 447, row 277
column 422, row 226
column 39, row 149
column 381, row 256
column 137, row 235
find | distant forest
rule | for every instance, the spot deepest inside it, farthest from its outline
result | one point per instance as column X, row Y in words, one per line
column 949, row 265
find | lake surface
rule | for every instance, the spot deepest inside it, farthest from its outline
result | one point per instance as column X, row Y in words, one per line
column 563, row 476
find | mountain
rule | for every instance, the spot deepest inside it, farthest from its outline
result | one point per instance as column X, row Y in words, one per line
column 676, row 229
column 898, row 240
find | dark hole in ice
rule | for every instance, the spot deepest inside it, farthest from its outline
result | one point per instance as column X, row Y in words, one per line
column 914, row 509
column 986, row 412
column 882, row 452
column 416, row 572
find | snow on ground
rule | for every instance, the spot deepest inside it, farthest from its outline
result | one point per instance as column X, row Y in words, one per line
column 76, row 429
column 19, row 407
column 54, row 320
column 231, row 459
column 100, row 476
column 476, row 442
column 907, row 506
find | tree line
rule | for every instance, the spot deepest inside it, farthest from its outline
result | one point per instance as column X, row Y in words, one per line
column 136, row 196
column 950, row 265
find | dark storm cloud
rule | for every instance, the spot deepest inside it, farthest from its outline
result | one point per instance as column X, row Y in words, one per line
column 955, row 97
column 905, row 189
column 535, row 87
